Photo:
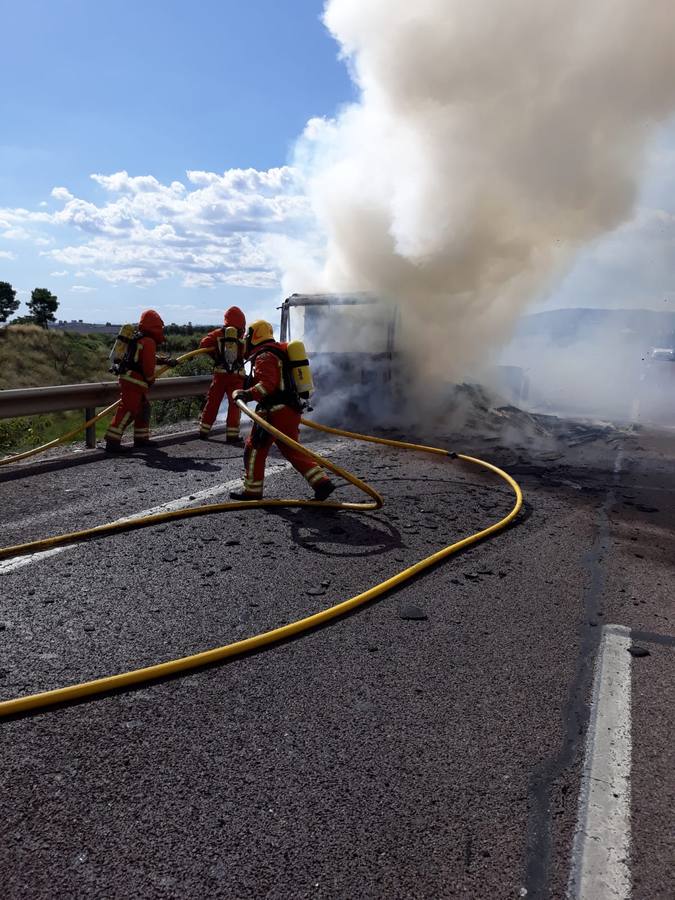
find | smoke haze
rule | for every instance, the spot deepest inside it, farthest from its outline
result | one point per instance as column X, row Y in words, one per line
column 490, row 142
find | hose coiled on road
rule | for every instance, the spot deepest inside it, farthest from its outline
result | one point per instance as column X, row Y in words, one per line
column 123, row 680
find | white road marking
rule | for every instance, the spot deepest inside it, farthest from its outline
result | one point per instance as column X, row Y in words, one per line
column 600, row 854
column 11, row 565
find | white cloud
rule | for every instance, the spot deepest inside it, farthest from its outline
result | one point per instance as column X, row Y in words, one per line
column 16, row 234
column 7, row 254
column 61, row 193
column 244, row 227
column 82, row 289
column 220, row 229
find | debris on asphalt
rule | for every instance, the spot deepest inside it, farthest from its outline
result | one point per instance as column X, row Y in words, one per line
column 472, row 409
column 635, row 650
column 413, row 613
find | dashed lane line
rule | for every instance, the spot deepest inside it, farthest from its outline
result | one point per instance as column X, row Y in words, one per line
column 11, row 565
column 600, row 855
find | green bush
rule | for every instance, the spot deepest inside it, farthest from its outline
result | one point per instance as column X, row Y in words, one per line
column 166, row 412
column 26, row 432
column 22, row 433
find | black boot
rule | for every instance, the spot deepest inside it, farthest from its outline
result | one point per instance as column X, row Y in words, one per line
column 242, row 495
column 324, row 489
column 115, row 447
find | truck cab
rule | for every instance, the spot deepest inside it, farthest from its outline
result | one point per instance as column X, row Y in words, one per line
column 353, row 344
column 350, row 342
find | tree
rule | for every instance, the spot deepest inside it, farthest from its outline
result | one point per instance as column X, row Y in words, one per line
column 23, row 320
column 8, row 305
column 43, row 304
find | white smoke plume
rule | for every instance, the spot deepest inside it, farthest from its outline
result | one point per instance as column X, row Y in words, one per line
column 491, row 139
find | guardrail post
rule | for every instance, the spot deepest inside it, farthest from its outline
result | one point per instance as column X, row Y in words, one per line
column 89, row 413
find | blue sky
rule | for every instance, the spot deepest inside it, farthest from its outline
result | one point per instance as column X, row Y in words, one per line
column 144, row 159
column 157, row 87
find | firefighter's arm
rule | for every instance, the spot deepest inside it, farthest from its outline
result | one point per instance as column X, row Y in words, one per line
column 208, row 342
column 148, row 359
column 267, row 379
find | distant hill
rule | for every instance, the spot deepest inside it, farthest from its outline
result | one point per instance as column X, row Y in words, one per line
column 568, row 326
column 34, row 357
column 80, row 327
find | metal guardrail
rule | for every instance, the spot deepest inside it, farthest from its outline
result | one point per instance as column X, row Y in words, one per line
column 33, row 401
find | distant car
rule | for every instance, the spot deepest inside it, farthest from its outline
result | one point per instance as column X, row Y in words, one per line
column 661, row 354
column 660, row 366
column 656, row 395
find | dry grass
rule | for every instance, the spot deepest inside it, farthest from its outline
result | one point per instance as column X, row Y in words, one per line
column 33, row 357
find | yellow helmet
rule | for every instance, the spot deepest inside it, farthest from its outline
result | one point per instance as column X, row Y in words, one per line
column 258, row 332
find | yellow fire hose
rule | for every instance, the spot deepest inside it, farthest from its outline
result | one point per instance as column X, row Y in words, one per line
column 184, row 664
column 69, row 435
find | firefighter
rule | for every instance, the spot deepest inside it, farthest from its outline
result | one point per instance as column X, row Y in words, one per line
column 278, row 402
column 226, row 347
column 137, row 375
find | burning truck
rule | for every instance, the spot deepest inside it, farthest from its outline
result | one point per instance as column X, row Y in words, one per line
column 353, row 343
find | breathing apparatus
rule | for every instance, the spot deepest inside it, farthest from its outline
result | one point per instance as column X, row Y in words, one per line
column 293, row 355
column 119, row 355
column 299, row 369
column 230, row 347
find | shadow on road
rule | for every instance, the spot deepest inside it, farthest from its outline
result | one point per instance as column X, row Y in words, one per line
column 91, row 457
column 160, row 459
column 346, row 535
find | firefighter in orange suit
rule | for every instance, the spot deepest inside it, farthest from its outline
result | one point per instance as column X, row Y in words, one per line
column 272, row 388
column 226, row 347
column 137, row 376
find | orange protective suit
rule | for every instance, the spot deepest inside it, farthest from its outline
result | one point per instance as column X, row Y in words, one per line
column 135, row 382
column 228, row 376
column 277, row 405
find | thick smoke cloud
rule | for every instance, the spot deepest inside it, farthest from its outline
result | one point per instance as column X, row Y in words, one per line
column 490, row 142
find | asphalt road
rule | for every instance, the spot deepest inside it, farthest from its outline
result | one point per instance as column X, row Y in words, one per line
column 378, row 757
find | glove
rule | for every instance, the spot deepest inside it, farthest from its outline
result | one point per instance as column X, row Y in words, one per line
column 167, row 361
column 244, row 396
